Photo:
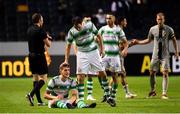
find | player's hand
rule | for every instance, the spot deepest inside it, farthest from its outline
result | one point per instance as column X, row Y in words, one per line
column 60, row 97
column 134, row 42
column 121, row 47
column 124, row 53
column 49, row 37
column 177, row 56
column 102, row 53
column 66, row 62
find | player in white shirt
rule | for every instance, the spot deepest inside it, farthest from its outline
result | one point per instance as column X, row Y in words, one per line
column 161, row 34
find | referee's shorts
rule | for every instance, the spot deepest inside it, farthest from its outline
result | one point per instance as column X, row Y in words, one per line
column 38, row 63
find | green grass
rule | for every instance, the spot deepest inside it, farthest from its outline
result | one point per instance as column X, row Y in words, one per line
column 12, row 98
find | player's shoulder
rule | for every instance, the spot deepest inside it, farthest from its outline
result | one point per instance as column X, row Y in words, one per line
column 55, row 78
column 72, row 29
column 104, row 27
column 70, row 79
column 88, row 24
column 168, row 27
column 118, row 28
column 154, row 27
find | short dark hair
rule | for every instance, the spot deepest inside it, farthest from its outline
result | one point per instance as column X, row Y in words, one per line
column 77, row 20
column 61, row 66
column 36, row 17
column 119, row 20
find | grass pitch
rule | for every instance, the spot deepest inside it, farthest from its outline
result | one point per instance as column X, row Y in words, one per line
column 12, row 98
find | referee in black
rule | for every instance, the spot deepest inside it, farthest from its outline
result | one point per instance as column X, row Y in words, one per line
column 37, row 40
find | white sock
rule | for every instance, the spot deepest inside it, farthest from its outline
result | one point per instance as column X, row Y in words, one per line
column 126, row 90
column 165, row 84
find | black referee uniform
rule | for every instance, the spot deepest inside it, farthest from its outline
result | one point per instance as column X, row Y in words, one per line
column 37, row 60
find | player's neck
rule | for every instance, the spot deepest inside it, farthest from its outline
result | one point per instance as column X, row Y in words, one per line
column 161, row 26
column 111, row 25
column 121, row 26
column 63, row 78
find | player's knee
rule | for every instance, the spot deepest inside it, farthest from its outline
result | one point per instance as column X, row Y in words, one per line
column 102, row 74
column 43, row 77
column 80, row 78
column 152, row 73
column 165, row 73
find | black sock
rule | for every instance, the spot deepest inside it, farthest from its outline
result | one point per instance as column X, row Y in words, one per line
column 37, row 87
column 33, row 90
column 41, row 83
column 34, row 83
column 37, row 93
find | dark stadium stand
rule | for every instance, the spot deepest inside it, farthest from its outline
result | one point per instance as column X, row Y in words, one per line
column 58, row 13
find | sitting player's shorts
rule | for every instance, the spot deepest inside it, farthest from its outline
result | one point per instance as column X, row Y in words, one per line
column 87, row 61
column 156, row 62
column 112, row 63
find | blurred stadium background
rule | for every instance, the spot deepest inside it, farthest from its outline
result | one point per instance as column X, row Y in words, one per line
column 16, row 17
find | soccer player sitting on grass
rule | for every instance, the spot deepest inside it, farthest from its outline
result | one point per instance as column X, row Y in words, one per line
column 57, row 91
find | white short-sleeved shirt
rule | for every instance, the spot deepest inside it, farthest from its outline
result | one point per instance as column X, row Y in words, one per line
column 167, row 34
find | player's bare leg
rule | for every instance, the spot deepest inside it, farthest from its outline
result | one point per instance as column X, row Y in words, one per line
column 152, row 83
column 125, row 86
column 165, row 84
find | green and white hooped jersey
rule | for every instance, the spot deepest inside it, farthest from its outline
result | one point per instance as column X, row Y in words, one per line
column 56, row 86
column 84, row 39
column 111, row 39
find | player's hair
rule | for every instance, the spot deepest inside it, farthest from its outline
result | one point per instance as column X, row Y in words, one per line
column 160, row 14
column 76, row 20
column 36, row 17
column 61, row 66
column 112, row 16
column 119, row 20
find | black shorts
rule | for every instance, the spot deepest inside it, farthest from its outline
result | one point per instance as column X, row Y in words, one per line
column 38, row 64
